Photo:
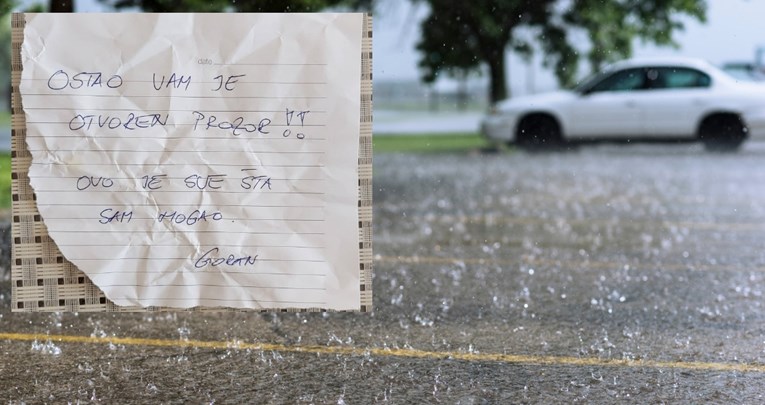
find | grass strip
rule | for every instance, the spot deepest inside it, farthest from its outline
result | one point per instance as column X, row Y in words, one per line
column 429, row 143
column 5, row 180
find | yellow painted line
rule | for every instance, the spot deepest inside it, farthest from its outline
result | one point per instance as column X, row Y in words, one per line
column 386, row 352
column 537, row 261
column 500, row 219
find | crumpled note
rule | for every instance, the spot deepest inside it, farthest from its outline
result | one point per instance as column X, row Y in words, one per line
column 199, row 160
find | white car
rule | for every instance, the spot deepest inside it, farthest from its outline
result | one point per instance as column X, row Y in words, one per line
column 646, row 99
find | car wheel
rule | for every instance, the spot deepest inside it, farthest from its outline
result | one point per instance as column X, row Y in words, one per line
column 539, row 132
column 722, row 132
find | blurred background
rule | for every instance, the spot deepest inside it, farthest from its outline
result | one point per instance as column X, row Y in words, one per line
column 437, row 69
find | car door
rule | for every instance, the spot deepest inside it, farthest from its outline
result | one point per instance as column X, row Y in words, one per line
column 608, row 108
column 674, row 103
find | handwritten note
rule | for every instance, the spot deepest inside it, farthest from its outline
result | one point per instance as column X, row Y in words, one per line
column 187, row 160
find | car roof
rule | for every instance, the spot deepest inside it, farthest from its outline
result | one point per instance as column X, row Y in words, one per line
column 664, row 61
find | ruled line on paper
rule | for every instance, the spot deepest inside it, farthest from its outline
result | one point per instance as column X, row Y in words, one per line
column 121, row 96
column 269, row 64
column 154, row 219
column 165, row 164
column 184, row 258
column 161, row 301
column 179, row 178
column 236, row 272
column 236, row 300
column 79, row 231
column 196, row 205
column 124, row 82
column 265, row 152
column 96, row 108
column 255, row 286
column 182, row 245
column 176, row 124
column 186, row 191
column 170, row 138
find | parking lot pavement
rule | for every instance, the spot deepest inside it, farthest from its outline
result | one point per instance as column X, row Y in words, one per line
column 606, row 274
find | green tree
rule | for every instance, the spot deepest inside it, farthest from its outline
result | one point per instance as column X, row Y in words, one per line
column 5, row 60
column 5, row 52
column 612, row 25
column 5, row 7
column 464, row 36
column 459, row 37
column 61, row 6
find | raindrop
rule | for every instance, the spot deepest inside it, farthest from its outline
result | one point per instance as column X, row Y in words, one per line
column 184, row 333
column 46, row 348
column 151, row 388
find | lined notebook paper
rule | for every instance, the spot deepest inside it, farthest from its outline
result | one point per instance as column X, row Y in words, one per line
column 200, row 160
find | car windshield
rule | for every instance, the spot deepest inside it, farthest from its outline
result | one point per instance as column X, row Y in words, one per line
column 591, row 81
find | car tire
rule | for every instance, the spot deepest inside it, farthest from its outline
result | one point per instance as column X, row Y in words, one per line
column 722, row 132
column 539, row 132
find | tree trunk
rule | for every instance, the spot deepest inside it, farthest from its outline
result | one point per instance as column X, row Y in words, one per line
column 497, row 77
column 61, row 6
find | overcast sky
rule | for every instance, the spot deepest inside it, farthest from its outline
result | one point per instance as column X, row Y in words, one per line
column 733, row 30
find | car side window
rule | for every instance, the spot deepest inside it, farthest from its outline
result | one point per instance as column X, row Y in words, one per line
column 684, row 78
column 623, row 80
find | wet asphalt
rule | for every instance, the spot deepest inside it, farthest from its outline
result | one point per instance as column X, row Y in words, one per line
column 631, row 273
